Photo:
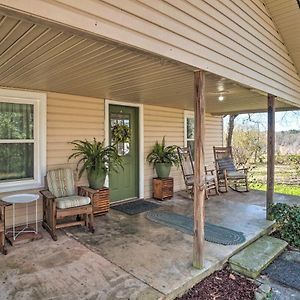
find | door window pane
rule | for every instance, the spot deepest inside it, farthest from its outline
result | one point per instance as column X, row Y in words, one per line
column 16, row 161
column 120, row 119
column 16, row 121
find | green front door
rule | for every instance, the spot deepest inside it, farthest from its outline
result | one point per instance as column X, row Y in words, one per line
column 125, row 183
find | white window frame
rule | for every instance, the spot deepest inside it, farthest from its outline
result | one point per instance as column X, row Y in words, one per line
column 187, row 114
column 39, row 102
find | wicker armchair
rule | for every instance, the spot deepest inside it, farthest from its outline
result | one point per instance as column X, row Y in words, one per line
column 61, row 200
column 228, row 175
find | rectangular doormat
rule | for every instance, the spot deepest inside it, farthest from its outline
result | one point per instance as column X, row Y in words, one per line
column 135, row 207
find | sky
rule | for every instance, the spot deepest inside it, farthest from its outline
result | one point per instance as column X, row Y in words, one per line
column 287, row 121
column 284, row 121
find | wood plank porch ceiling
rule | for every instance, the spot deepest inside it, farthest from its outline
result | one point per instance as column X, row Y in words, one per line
column 37, row 56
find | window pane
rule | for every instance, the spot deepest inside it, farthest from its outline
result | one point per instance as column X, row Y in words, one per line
column 190, row 128
column 191, row 144
column 16, row 161
column 124, row 120
column 16, row 121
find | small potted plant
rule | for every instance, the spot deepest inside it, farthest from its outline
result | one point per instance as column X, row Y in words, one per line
column 163, row 158
column 96, row 159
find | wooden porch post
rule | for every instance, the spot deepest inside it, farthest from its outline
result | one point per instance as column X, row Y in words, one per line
column 271, row 152
column 199, row 176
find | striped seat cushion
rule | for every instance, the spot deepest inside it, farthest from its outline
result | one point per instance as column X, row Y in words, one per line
column 190, row 179
column 226, row 164
column 61, row 182
column 72, row 201
column 236, row 175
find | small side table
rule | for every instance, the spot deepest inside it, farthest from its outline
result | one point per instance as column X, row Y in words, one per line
column 163, row 188
column 21, row 199
column 99, row 199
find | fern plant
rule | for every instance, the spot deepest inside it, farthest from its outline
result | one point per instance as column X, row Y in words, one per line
column 161, row 153
column 95, row 156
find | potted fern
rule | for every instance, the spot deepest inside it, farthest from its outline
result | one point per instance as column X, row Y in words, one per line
column 96, row 159
column 163, row 158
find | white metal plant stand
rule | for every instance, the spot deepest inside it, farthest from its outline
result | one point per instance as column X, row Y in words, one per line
column 22, row 199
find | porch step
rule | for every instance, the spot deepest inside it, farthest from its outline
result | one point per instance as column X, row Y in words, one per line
column 257, row 256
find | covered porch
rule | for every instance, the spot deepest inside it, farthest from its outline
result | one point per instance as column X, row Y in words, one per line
column 78, row 71
column 130, row 257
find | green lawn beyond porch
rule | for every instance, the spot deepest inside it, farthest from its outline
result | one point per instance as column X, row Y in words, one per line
column 286, row 189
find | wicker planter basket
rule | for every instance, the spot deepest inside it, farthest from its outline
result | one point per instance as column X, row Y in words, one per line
column 163, row 188
column 99, row 198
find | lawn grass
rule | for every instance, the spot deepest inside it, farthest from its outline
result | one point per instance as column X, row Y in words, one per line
column 286, row 189
column 285, row 177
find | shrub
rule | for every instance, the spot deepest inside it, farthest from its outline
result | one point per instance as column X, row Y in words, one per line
column 287, row 222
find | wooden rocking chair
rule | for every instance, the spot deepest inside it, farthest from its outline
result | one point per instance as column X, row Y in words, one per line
column 61, row 200
column 187, row 167
column 228, row 175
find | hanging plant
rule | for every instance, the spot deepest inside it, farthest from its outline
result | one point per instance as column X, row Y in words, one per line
column 120, row 133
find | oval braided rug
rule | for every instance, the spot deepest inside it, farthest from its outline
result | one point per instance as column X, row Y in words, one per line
column 212, row 233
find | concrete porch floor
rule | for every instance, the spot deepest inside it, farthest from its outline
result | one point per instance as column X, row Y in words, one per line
column 129, row 257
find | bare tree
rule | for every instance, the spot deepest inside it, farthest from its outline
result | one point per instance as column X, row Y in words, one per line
column 230, row 129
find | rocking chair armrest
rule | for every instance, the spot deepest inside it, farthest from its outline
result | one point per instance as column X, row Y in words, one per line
column 47, row 194
column 211, row 171
column 222, row 172
column 243, row 169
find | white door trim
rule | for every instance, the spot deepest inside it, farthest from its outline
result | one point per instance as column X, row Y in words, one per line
column 187, row 114
column 141, row 137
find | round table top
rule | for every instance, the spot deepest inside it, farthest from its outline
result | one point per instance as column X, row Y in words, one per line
column 20, row 198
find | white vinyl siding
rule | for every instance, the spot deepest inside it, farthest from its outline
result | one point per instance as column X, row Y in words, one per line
column 71, row 117
column 213, row 137
column 162, row 122
column 286, row 16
